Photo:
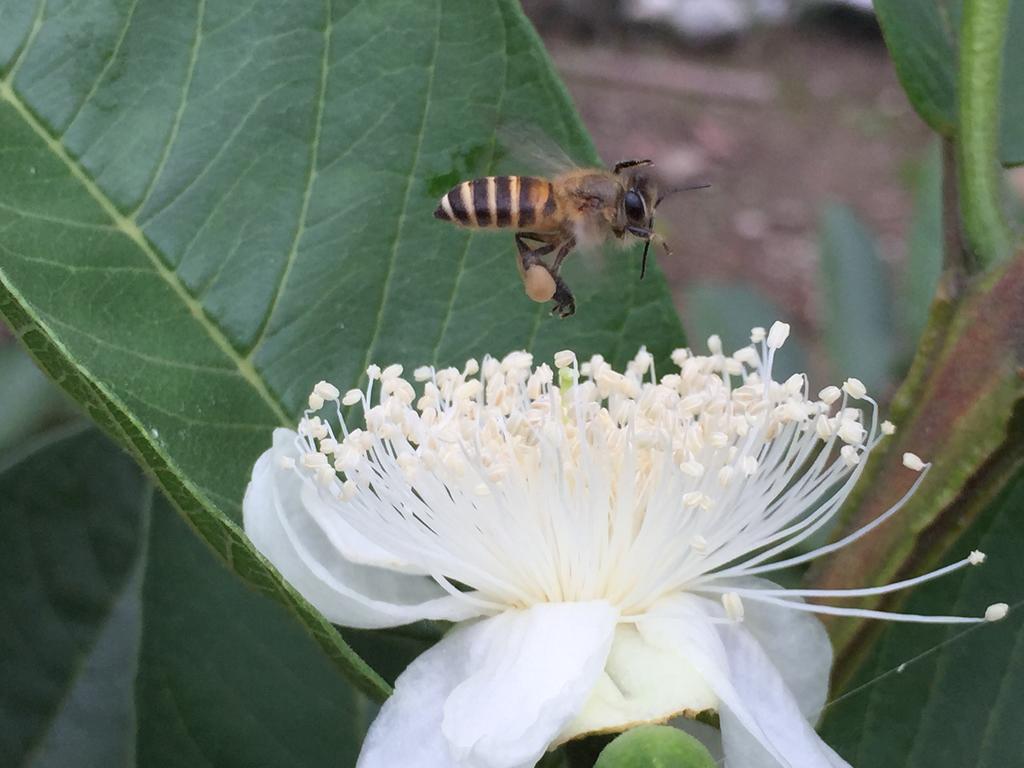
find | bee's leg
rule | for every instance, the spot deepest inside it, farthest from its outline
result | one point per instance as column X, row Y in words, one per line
column 624, row 164
column 563, row 251
column 565, row 302
column 529, row 256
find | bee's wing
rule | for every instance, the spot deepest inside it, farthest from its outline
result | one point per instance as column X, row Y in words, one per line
column 524, row 148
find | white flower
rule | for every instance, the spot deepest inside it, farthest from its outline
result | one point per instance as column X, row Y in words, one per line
column 599, row 537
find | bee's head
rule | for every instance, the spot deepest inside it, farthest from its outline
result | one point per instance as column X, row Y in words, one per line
column 640, row 197
column 639, row 202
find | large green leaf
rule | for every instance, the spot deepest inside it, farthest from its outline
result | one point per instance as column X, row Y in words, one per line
column 126, row 642
column 922, row 36
column 939, row 696
column 209, row 206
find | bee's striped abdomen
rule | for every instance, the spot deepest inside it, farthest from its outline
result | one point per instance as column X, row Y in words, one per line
column 498, row 201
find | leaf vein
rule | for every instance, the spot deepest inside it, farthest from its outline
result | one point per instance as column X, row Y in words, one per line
column 245, row 368
column 311, row 176
column 460, row 269
column 180, row 112
column 432, row 69
column 106, row 68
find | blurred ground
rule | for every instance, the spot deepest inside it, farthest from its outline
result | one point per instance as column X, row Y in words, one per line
column 779, row 120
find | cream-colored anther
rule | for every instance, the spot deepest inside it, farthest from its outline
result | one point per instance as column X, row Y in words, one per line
column 913, row 461
column 373, row 372
column 830, row 394
column 327, row 391
column 746, row 355
column 352, row 397
column 346, row 459
column 313, row 460
column 855, row 388
column 792, row 412
column 692, row 468
column 469, row 389
column 692, row 403
column 315, row 401
column 778, row 334
column 749, row 465
column 725, row 475
column 732, row 367
column 348, row 490
column 822, row 427
column 888, row 428
column 564, row 358
column 715, row 344
column 849, row 455
column 757, row 334
column 794, row 384
column 643, row 360
column 423, row 373
column 977, row 557
column 325, row 475
column 996, row 612
column 393, row 371
column 733, row 606
column 692, row 499
column 851, row 432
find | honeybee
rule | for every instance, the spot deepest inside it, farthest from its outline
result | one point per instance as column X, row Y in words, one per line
column 581, row 207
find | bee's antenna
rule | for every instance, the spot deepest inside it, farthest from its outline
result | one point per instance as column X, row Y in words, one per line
column 643, row 264
column 679, row 189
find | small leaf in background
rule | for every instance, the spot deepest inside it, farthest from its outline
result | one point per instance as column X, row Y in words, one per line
column 126, row 642
column 655, row 746
column 1011, row 133
column 924, row 249
column 958, row 700
column 31, row 402
column 856, row 303
column 731, row 310
column 922, row 36
column 71, row 535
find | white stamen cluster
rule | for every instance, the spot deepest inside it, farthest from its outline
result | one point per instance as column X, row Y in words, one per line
column 530, row 484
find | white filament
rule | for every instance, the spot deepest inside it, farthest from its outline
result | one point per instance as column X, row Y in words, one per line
column 514, row 485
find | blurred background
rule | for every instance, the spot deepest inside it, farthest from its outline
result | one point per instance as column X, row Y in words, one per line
column 825, row 202
column 824, row 208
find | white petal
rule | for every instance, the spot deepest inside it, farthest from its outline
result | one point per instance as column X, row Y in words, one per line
column 495, row 693
column 641, row 683
column 290, row 534
column 796, row 643
column 773, row 706
column 762, row 725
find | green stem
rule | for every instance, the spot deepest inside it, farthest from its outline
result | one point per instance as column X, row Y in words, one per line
column 982, row 38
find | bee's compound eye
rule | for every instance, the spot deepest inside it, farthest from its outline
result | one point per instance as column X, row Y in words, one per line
column 634, row 205
column 539, row 284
